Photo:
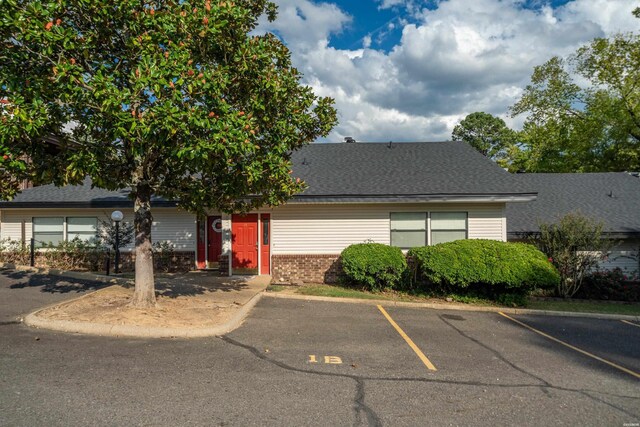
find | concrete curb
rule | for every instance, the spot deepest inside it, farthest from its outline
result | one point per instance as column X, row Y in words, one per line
column 102, row 329
column 129, row 331
column 458, row 307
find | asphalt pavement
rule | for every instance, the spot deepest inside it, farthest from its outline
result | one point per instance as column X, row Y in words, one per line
column 22, row 292
column 324, row 364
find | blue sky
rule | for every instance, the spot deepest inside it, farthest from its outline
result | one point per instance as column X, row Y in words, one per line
column 384, row 25
column 406, row 70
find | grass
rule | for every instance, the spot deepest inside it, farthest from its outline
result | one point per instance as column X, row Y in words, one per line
column 275, row 288
column 549, row 305
column 338, row 292
column 342, row 292
column 586, row 306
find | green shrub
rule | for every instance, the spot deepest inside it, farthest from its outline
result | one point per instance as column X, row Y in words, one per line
column 575, row 245
column 505, row 267
column 72, row 255
column 373, row 265
column 613, row 285
column 164, row 256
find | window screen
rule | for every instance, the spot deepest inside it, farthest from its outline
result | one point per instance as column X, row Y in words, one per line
column 408, row 229
column 48, row 231
column 448, row 226
column 83, row 228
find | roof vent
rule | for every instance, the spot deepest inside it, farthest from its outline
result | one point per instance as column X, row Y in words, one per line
column 349, row 140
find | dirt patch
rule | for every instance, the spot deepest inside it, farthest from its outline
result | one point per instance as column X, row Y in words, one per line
column 179, row 305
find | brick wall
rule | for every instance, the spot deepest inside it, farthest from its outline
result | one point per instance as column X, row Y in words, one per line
column 305, row 268
column 223, row 265
column 96, row 261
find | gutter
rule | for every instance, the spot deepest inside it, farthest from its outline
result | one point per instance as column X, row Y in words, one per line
column 415, row 198
column 91, row 204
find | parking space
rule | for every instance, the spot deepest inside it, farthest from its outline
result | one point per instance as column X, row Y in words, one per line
column 394, row 342
column 346, row 339
column 295, row 362
column 22, row 292
column 488, row 367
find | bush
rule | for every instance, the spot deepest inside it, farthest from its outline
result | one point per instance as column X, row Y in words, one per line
column 505, row 267
column 373, row 265
column 73, row 255
column 612, row 285
column 163, row 256
column 575, row 245
column 14, row 252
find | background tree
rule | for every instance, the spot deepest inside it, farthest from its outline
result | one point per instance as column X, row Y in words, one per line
column 168, row 98
column 487, row 134
column 588, row 127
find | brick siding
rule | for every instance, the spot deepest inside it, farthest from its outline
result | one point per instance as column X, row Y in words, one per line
column 223, row 265
column 305, row 268
column 180, row 261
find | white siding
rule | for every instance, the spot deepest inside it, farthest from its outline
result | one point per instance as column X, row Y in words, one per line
column 623, row 256
column 170, row 224
column 328, row 229
column 486, row 223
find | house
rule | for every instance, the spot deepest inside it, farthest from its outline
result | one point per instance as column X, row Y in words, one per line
column 404, row 194
column 613, row 198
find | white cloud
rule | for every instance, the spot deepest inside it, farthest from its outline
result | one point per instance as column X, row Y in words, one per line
column 461, row 57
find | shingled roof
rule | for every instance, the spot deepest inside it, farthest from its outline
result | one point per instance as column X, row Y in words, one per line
column 390, row 171
column 613, row 198
column 349, row 172
column 50, row 196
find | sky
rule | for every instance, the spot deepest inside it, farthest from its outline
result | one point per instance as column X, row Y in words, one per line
column 409, row 70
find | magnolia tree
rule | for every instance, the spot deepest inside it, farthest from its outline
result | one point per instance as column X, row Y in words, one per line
column 178, row 99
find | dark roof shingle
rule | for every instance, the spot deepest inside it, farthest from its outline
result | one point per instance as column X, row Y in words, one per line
column 400, row 169
column 613, row 198
column 355, row 172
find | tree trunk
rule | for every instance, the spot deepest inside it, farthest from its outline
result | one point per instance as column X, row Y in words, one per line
column 144, row 295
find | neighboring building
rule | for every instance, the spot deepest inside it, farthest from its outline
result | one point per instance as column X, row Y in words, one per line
column 613, row 198
column 404, row 194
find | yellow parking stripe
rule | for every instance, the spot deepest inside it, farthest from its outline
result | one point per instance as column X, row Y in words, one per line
column 413, row 346
column 586, row 353
column 630, row 323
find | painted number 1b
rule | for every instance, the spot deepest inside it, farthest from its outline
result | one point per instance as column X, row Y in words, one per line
column 332, row 360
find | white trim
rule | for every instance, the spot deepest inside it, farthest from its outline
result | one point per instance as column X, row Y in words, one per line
column 259, row 244
column 504, row 223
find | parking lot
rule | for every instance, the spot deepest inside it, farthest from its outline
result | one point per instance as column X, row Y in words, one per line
column 485, row 368
column 298, row 362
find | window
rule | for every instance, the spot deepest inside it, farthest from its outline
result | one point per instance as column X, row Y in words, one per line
column 48, row 230
column 83, row 228
column 51, row 230
column 408, row 229
column 448, row 226
column 265, row 230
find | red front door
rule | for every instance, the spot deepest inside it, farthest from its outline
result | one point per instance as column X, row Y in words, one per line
column 214, row 240
column 244, row 243
column 265, row 243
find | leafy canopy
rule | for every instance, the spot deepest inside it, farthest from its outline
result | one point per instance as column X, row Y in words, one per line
column 174, row 97
column 486, row 133
column 584, row 113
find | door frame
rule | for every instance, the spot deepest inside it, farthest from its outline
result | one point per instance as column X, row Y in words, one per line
column 205, row 251
column 258, row 239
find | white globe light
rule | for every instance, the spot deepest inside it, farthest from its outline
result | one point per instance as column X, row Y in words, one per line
column 117, row 216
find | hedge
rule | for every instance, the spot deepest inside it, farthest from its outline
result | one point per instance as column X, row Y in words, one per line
column 373, row 265
column 459, row 264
